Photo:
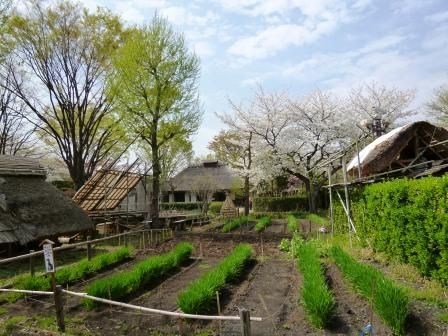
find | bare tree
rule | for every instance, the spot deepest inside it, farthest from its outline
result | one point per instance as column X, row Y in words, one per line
column 58, row 66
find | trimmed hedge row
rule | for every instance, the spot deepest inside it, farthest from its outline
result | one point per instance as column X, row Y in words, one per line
column 406, row 219
column 317, row 298
column 149, row 271
column 179, row 206
column 274, row 204
column 200, row 296
column 389, row 301
column 71, row 273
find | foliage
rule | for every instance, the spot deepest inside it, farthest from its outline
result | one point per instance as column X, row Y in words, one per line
column 145, row 273
column 70, row 274
column 200, row 296
column 293, row 224
column 266, row 204
column 263, row 223
column 292, row 246
column 317, row 298
column 389, row 301
column 317, row 219
column 406, row 219
column 179, row 206
column 235, row 223
column 438, row 107
column 215, row 207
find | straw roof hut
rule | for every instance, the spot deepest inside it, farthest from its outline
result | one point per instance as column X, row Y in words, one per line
column 416, row 149
column 32, row 209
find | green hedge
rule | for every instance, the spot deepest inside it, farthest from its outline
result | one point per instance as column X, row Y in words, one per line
column 406, row 219
column 146, row 272
column 389, row 300
column 274, row 204
column 179, row 206
column 215, row 207
column 200, row 296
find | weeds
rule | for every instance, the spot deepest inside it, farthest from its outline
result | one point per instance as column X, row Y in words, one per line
column 317, row 298
column 200, row 296
column 145, row 273
column 263, row 223
column 389, row 300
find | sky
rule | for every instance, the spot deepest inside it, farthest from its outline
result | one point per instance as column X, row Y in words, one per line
column 302, row 45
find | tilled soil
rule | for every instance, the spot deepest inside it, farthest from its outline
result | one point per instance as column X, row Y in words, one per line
column 277, row 226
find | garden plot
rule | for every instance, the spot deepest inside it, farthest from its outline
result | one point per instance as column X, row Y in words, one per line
column 277, row 226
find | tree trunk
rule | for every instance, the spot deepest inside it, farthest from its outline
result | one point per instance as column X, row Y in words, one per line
column 311, row 196
column 155, row 181
column 246, row 195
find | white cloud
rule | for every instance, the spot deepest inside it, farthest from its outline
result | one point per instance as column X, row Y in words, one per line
column 437, row 17
column 408, row 6
column 183, row 16
column 204, row 49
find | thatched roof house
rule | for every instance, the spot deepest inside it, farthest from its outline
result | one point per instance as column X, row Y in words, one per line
column 32, row 209
column 415, row 149
column 208, row 175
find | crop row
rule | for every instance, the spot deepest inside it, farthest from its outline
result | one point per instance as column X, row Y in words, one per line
column 263, row 223
column 199, row 297
column 389, row 301
column 317, row 298
column 147, row 272
column 235, row 223
column 292, row 224
column 71, row 273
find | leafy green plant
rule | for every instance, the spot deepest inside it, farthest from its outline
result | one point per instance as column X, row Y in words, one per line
column 71, row 273
column 235, row 223
column 215, row 207
column 263, row 223
column 145, row 273
column 293, row 224
column 199, row 297
column 292, row 246
column 389, row 300
column 317, row 219
column 317, row 298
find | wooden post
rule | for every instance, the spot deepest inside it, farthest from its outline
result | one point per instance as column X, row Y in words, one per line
column 150, row 239
column 262, row 248
column 330, row 192
column 181, row 327
column 245, row 321
column 219, row 311
column 143, row 240
column 89, row 249
column 347, row 200
column 59, row 306
column 31, row 264
column 125, row 240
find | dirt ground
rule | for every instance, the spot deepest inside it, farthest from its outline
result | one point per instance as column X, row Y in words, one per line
column 270, row 289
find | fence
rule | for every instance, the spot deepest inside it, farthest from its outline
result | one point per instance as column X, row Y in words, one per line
column 244, row 315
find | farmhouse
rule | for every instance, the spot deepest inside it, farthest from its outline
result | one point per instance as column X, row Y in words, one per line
column 32, row 209
column 214, row 176
column 413, row 150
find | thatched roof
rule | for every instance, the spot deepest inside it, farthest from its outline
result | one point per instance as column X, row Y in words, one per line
column 415, row 143
column 16, row 165
column 206, row 175
column 106, row 189
column 32, row 209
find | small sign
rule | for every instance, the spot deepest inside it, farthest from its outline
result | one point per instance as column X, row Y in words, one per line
column 48, row 257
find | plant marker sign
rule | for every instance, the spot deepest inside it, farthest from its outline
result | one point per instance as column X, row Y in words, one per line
column 48, row 257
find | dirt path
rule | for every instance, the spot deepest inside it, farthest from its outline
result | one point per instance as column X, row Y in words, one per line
column 352, row 312
column 272, row 285
column 125, row 322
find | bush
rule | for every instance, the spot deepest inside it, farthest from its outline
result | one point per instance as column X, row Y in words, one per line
column 235, row 223
column 275, row 204
column 145, row 273
column 406, row 219
column 389, row 301
column 215, row 207
column 71, row 273
column 317, row 298
column 263, row 223
column 200, row 296
column 293, row 224
column 181, row 206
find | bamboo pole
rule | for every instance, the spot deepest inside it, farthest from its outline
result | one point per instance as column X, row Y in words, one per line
column 330, row 192
column 347, row 200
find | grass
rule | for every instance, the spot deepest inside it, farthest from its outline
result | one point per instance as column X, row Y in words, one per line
column 235, row 223
column 145, row 273
column 317, row 298
column 200, row 296
column 389, row 300
column 263, row 223
column 69, row 274
column 8, row 326
column 293, row 224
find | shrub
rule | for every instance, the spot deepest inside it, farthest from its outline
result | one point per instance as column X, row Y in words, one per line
column 235, row 223
column 145, row 273
column 263, row 223
column 293, row 224
column 406, row 219
column 317, row 219
column 275, row 204
column 188, row 206
column 215, row 207
column 389, row 300
column 200, row 296
column 71, row 273
column 317, row 298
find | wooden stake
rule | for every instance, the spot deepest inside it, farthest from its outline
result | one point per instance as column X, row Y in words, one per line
column 143, row 240
column 219, row 312
column 89, row 249
column 262, row 248
column 181, row 326
column 245, row 321
column 59, row 306
column 31, row 264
